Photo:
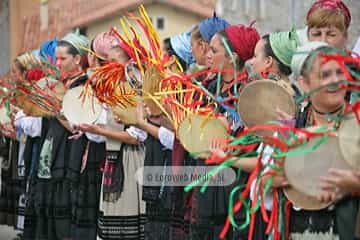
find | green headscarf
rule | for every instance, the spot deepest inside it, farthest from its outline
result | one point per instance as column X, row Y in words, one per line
column 284, row 45
column 80, row 42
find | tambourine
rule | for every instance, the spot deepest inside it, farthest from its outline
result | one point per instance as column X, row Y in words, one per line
column 303, row 201
column 53, row 87
column 151, row 85
column 349, row 141
column 4, row 117
column 127, row 114
column 133, row 75
column 79, row 109
column 197, row 132
column 303, row 170
column 259, row 99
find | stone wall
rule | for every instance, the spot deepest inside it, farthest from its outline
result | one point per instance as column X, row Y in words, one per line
column 278, row 15
column 4, row 37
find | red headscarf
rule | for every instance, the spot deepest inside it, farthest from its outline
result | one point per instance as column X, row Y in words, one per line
column 242, row 40
column 334, row 5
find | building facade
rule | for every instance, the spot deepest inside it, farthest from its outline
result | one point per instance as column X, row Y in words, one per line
column 280, row 15
column 32, row 22
column 4, row 37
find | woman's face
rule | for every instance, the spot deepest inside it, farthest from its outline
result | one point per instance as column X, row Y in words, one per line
column 199, row 49
column 65, row 61
column 117, row 55
column 216, row 57
column 260, row 62
column 331, row 35
column 330, row 98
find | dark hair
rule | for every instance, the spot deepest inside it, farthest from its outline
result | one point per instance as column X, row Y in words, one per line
column 170, row 50
column 19, row 66
column 270, row 53
column 73, row 51
column 239, row 62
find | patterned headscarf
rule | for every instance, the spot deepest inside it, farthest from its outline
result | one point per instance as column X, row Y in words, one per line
column 103, row 42
column 334, row 5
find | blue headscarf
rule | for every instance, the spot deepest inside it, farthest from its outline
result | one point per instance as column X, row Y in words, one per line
column 182, row 46
column 47, row 49
column 36, row 53
column 210, row 26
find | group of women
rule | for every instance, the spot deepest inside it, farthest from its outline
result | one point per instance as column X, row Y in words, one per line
column 65, row 181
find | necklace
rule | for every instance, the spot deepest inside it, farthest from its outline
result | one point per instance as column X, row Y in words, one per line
column 331, row 116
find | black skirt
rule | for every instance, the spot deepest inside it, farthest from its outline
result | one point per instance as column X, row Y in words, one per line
column 158, row 199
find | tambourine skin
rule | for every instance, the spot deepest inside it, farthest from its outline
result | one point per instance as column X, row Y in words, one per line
column 151, row 85
column 349, row 141
column 259, row 99
column 197, row 132
column 53, row 87
column 304, row 170
column 133, row 75
column 79, row 110
column 303, row 201
column 127, row 114
column 4, row 118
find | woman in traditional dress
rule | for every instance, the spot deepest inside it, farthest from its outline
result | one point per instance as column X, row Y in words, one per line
column 209, row 210
column 32, row 127
column 12, row 197
column 337, row 221
column 121, row 210
column 56, row 176
column 328, row 21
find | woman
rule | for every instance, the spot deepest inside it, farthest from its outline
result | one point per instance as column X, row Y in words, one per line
column 273, row 54
column 211, row 208
column 32, row 127
column 57, row 176
column 337, row 221
column 272, row 59
column 328, row 21
column 122, row 211
column 201, row 36
column 13, row 172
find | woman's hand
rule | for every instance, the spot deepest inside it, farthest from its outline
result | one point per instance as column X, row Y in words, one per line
column 90, row 128
column 285, row 118
column 216, row 147
column 338, row 183
column 140, row 114
column 8, row 130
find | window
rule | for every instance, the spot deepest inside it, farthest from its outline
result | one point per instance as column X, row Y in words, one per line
column 160, row 23
column 83, row 31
